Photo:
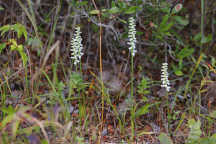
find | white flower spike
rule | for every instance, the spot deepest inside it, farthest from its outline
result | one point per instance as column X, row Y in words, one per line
column 132, row 36
column 76, row 46
column 164, row 77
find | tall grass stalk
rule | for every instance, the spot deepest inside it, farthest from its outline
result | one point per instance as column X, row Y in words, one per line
column 101, row 70
column 51, row 38
column 202, row 21
column 30, row 16
column 192, row 74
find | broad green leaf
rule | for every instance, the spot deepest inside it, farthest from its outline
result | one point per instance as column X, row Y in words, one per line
column 113, row 4
column 81, row 3
column 24, row 58
column 164, row 21
column 195, row 131
column 114, row 10
column 131, row 10
column 34, row 42
column 7, row 120
column 185, row 52
column 164, row 139
column 165, row 28
column 206, row 39
column 197, row 37
column 213, row 114
column 5, row 29
column 123, row 21
column 178, row 72
column 94, row 12
column 21, row 30
column 181, row 20
column 2, row 46
column 8, row 110
column 143, row 110
column 144, row 99
column 213, row 139
column 24, row 32
column 44, row 141
column 20, row 48
column 1, row 8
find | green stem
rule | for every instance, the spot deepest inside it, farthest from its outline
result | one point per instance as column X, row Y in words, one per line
column 132, row 99
column 132, row 75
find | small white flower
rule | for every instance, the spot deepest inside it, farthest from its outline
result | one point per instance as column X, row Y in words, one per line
column 164, row 77
column 76, row 46
column 132, row 36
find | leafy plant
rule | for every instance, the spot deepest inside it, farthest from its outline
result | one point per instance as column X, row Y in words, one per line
column 164, row 139
column 76, row 83
column 143, row 87
column 19, row 48
column 21, row 31
column 18, row 28
column 183, row 53
column 195, row 131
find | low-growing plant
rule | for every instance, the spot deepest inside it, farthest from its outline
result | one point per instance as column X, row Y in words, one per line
column 12, row 43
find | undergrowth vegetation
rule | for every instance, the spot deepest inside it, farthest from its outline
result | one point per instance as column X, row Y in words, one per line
column 121, row 71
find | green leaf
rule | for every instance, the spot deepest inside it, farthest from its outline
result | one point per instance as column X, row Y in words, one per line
column 1, row 8
column 197, row 37
column 2, row 46
column 164, row 139
column 143, row 110
column 185, row 52
column 94, row 12
column 180, row 20
column 123, row 21
column 213, row 114
column 206, row 39
column 164, row 21
column 24, row 58
column 178, row 72
column 142, row 86
column 131, row 10
column 213, row 139
column 15, row 127
column 20, row 48
column 5, row 29
column 166, row 27
column 195, row 131
column 144, row 99
column 81, row 3
column 7, row 120
column 21, row 30
column 44, row 141
column 13, row 45
column 114, row 10
column 8, row 110
column 34, row 42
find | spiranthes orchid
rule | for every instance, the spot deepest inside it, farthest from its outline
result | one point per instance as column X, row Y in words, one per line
column 164, row 77
column 76, row 47
column 132, row 36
